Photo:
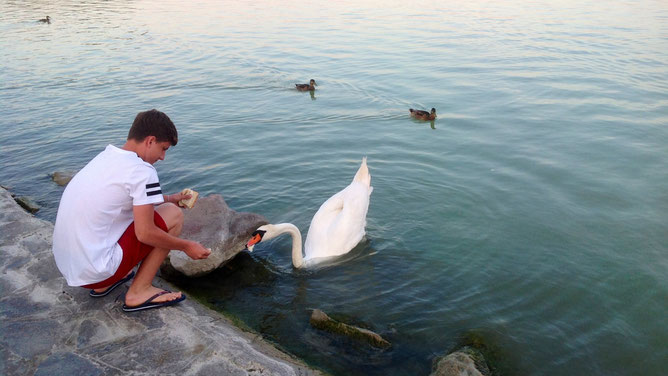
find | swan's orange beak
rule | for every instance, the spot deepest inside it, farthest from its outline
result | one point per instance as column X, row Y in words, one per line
column 254, row 240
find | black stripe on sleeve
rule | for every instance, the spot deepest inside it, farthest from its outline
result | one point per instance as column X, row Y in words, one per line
column 154, row 193
column 152, row 185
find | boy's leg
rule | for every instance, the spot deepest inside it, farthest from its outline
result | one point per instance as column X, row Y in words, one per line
column 141, row 288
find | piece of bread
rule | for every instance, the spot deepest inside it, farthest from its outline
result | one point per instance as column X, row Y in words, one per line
column 189, row 203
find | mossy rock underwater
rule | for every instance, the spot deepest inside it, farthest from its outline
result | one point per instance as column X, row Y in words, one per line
column 320, row 320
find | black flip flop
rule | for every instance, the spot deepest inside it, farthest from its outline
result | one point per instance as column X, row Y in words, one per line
column 106, row 292
column 149, row 304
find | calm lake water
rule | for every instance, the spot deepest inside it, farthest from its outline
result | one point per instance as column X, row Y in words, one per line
column 533, row 213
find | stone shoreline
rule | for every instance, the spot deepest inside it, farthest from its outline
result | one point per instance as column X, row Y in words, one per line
column 50, row 328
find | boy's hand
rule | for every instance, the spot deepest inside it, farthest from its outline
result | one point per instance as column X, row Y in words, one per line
column 196, row 251
column 176, row 197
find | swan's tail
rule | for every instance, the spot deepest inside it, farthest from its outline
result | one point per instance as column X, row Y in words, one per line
column 363, row 174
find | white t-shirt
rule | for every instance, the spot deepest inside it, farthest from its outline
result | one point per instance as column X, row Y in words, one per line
column 96, row 209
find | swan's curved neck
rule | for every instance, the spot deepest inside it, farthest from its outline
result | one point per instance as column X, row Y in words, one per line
column 297, row 258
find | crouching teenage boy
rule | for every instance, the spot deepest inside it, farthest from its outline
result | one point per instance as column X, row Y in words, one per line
column 113, row 216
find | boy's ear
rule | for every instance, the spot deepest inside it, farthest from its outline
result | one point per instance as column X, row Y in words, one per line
column 150, row 140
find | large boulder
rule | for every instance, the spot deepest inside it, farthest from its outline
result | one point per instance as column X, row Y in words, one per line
column 212, row 223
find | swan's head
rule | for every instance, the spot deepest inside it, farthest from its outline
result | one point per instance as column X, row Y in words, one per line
column 256, row 237
column 264, row 232
column 270, row 231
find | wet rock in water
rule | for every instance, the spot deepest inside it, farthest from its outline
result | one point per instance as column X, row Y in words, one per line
column 320, row 320
column 27, row 203
column 212, row 223
column 464, row 362
column 63, row 177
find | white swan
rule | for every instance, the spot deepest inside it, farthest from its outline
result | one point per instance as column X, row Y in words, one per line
column 336, row 227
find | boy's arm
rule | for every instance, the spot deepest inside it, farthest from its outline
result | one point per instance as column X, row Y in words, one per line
column 147, row 232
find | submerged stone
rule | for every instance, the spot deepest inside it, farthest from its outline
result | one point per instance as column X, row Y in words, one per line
column 320, row 320
column 63, row 177
column 464, row 362
column 212, row 223
column 28, row 204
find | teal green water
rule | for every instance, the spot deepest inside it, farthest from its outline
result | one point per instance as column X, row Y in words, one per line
column 533, row 212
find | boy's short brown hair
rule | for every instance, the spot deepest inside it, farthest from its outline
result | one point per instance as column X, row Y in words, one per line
column 153, row 123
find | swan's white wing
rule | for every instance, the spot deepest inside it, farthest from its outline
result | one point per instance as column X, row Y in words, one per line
column 348, row 228
column 339, row 224
column 317, row 238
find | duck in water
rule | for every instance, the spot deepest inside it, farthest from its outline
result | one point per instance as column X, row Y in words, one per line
column 45, row 20
column 307, row 87
column 423, row 115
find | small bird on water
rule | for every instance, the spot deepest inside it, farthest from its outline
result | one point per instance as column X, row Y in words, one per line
column 307, row 87
column 45, row 20
column 423, row 115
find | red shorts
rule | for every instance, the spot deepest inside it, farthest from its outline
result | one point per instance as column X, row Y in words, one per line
column 134, row 252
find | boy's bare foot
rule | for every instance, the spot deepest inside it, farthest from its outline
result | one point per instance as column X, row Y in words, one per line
column 134, row 298
column 104, row 289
